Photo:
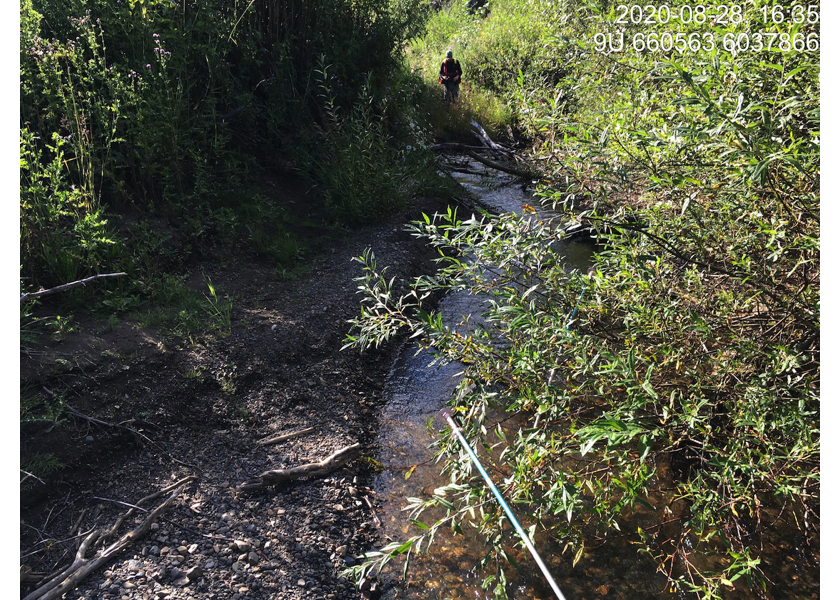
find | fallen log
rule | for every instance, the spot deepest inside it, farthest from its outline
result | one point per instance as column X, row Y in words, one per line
column 500, row 167
column 485, row 161
column 318, row 469
column 468, row 150
column 457, row 146
column 81, row 567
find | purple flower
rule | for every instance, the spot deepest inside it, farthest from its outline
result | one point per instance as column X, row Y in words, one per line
column 148, row 66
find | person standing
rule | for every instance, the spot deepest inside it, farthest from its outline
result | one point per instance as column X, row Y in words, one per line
column 450, row 77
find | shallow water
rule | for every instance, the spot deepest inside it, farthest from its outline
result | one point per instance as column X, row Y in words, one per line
column 415, row 394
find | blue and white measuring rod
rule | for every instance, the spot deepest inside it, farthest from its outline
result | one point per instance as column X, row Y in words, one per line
column 447, row 414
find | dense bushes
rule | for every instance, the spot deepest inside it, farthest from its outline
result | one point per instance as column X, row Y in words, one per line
column 694, row 345
column 166, row 107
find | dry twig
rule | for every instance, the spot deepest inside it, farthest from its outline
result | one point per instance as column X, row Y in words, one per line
column 64, row 581
column 318, row 469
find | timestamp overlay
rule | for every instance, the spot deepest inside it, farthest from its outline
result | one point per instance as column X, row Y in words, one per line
column 680, row 29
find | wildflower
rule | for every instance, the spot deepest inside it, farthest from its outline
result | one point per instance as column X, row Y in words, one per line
column 148, row 66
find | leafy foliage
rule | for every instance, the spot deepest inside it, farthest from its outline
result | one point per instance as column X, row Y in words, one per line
column 692, row 347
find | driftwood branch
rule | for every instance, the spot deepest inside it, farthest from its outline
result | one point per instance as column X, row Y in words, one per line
column 81, row 567
column 318, row 469
column 284, row 436
column 67, row 286
column 457, row 146
column 487, row 141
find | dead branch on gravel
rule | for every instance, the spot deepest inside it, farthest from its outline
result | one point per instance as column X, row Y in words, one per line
column 318, row 469
column 67, row 286
column 64, row 581
column 285, row 436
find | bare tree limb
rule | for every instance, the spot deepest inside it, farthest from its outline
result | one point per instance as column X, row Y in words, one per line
column 485, row 139
column 285, row 436
column 318, row 469
column 81, row 567
column 67, row 286
column 485, row 161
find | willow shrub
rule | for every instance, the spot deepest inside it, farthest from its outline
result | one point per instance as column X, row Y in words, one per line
column 693, row 345
column 363, row 170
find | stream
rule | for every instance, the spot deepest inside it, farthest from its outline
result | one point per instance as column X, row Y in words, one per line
column 414, row 394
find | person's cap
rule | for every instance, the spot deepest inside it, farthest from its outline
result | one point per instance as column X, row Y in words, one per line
column 449, row 54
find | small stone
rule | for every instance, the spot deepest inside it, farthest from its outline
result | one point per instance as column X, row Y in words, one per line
column 155, row 526
column 154, row 551
column 194, row 573
column 182, row 549
column 302, row 582
column 241, row 545
column 182, row 581
column 341, row 550
column 253, row 558
column 89, row 439
column 603, row 590
column 193, row 548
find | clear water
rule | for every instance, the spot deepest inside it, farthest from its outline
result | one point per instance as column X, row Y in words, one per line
column 415, row 394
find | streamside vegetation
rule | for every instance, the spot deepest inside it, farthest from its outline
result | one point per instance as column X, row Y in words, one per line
column 137, row 111
column 157, row 136
column 676, row 385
